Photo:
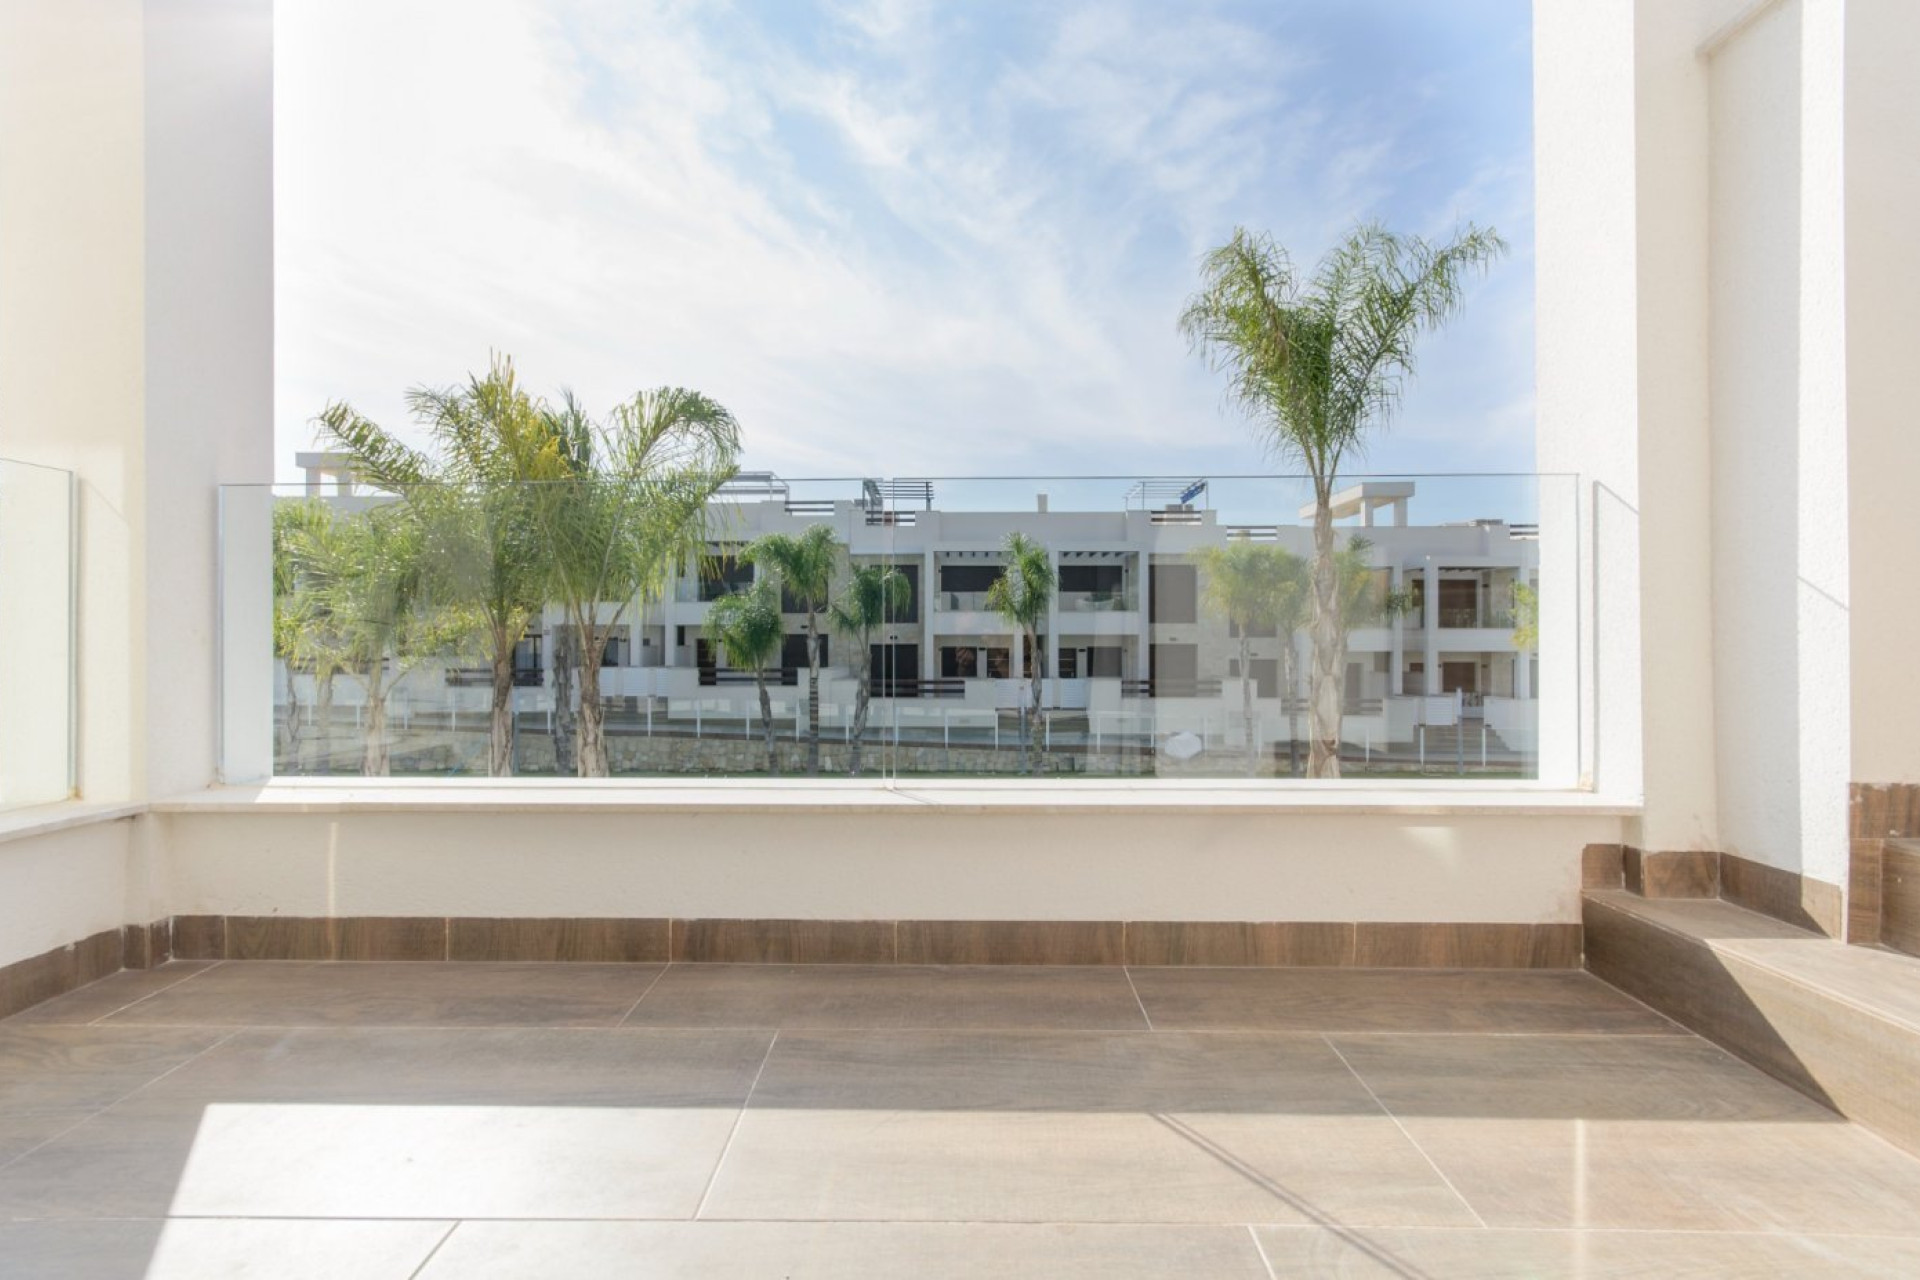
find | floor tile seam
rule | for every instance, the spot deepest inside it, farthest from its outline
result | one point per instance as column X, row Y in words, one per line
column 1411, row 1141
column 1127, row 969
column 816, row 1028
column 1261, row 1250
column 437, row 1246
column 1195, row 1224
column 1772, row 968
column 648, row 990
column 600, row 1028
column 733, row 1131
column 1511, row 970
column 171, row 986
column 1679, row 1033
column 1782, row 1233
column 96, row 1114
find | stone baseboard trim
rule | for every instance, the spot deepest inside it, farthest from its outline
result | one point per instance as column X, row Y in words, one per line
column 1234, row 944
column 25, row 983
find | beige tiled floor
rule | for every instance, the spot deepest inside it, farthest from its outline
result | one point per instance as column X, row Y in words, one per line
column 469, row 1120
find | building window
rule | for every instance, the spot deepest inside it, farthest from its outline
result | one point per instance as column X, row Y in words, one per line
column 723, row 575
column 1175, row 592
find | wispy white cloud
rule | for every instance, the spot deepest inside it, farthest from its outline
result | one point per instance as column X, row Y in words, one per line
column 896, row 237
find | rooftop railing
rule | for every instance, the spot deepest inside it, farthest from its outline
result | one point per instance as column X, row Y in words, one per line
column 1197, row 666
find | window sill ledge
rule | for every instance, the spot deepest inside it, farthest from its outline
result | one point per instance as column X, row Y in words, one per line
column 40, row 819
column 841, row 796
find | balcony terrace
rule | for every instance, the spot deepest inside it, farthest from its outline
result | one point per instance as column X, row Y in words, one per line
column 321, row 955
column 475, row 1119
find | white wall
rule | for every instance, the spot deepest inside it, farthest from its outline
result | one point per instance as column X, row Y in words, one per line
column 209, row 343
column 136, row 336
column 36, row 617
column 1882, row 121
column 1727, row 191
column 61, row 886
column 1778, row 512
column 1585, row 357
column 72, row 349
column 931, row 863
column 1621, row 305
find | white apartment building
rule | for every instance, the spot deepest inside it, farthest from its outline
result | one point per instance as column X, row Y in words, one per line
column 1130, row 650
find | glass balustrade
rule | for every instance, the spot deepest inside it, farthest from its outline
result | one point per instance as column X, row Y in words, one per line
column 1059, row 627
column 37, row 561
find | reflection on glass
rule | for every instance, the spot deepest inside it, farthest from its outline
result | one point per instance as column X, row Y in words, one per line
column 1065, row 628
column 37, row 607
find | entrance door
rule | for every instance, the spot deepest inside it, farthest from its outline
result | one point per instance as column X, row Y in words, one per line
column 894, row 664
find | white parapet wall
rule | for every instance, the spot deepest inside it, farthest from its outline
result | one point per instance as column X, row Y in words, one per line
column 67, row 877
column 830, row 853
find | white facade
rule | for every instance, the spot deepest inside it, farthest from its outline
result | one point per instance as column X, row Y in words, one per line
column 1130, row 647
column 1727, row 279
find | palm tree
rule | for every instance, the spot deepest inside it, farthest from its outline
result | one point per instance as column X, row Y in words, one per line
column 1254, row 586
column 488, row 545
column 1317, row 364
column 292, row 614
column 748, row 629
column 621, row 506
column 876, row 594
column 1022, row 596
column 1526, row 617
column 376, row 614
column 804, row 566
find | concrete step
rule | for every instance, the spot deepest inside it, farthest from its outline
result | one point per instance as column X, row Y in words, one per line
column 1900, row 895
column 1840, row 1023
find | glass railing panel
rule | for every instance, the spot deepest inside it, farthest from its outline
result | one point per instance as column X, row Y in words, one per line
column 1156, row 628
column 1177, row 639
column 37, row 524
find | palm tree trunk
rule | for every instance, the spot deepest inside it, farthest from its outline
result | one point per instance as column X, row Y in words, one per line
column 1246, row 698
column 322, row 761
column 376, row 762
column 813, row 696
column 1033, row 672
column 563, row 717
column 1323, row 751
column 766, row 719
column 290, row 731
column 1290, row 690
column 500, row 727
column 591, row 759
column 860, row 704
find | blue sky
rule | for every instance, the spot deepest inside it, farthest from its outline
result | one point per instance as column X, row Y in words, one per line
column 895, row 238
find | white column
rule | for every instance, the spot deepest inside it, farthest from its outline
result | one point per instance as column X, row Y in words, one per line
column 1882, row 120
column 1397, row 663
column 929, row 655
column 137, row 214
column 1052, row 669
column 1621, row 127
column 1430, row 621
column 1140, row 660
